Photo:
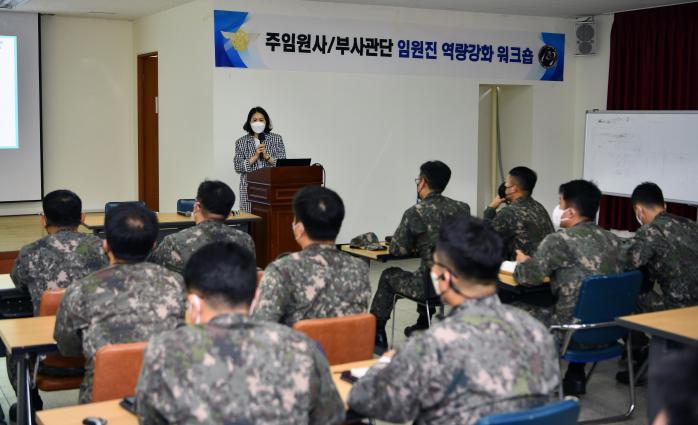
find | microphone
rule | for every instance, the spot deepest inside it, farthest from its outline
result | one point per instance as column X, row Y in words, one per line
column 261, row 138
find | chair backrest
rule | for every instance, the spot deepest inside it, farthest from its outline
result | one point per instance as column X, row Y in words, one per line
column 563, row 412
column 50, row 299
column 185, row 206
column 603, row 299
column 116, row 370
column 345, row 339
column 111, row 204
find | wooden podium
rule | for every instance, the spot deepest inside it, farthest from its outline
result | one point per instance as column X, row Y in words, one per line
column 270, row 191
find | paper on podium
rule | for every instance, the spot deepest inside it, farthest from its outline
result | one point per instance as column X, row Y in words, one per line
column 508, row 266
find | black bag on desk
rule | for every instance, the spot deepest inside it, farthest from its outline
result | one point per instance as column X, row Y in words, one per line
column 15, row 303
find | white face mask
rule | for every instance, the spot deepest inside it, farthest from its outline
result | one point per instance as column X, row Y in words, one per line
column 258, row 127
column 435, row 282
column 195, row 308
column 557, row 217
column 637, row 217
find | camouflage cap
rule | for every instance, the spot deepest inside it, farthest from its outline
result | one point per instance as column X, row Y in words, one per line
column 363, row 240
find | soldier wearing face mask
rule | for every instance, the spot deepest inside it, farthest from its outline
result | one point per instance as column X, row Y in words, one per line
column 259, row 148
column 319, row 281
column 484, row 358
column 580, row 250
column 525, row 222
column 416, row 235
column 668, row 246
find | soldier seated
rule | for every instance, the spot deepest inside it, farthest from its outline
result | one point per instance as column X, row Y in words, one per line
column 484, row 358
column 55, row 261
column 668, row 246
column 580, row 250
column 214, row 200
column 525, row 222
column 228, row 368
column 416, row 235
column 126, row 302
column 320, row 280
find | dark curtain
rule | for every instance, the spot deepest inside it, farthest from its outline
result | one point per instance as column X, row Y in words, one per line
column 653, row 66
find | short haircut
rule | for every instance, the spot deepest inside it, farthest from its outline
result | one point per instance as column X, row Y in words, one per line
column 648, row 194
column 677, row 387
column 131, row 231
column 320, row 210
column 216, row 197
column 223, row 272
column 583, row 195
column 248, row 128
column 472, row 247
column 436, row 174
column 62, row 208
column 525, row 178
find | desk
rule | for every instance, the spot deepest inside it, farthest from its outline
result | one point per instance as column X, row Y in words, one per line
column 173, row 222
column 73, row 415
column 24, row 338
column 670, row 329
column 343, row 387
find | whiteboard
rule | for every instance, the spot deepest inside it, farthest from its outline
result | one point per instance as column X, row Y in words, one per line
column 625, row 148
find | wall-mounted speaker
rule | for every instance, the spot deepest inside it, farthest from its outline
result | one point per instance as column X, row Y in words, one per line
column 585, row 34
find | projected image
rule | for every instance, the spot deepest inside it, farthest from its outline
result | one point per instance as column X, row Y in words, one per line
column 8, row 93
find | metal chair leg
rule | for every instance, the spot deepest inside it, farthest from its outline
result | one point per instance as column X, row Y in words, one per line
column 561, row 394
column 631, row 407
column 591, row 370
column 426, row 303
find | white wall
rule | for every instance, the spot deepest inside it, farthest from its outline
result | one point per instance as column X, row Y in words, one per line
column 87, row 96
column 372, row 132
column 183, row 38
column 591, row 86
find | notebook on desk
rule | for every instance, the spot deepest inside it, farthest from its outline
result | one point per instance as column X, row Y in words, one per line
column 293, row 162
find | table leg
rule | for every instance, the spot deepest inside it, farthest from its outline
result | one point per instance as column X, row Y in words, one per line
column 24, row 407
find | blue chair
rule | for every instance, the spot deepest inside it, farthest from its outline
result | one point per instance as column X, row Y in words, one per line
column 563, row 412
column 111, row 204
column 185, row 206
column 601, row 300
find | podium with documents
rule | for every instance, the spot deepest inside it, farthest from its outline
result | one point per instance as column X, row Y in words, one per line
column 270, row 191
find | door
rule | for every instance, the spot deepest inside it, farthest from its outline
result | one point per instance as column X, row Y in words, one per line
column 148, row 175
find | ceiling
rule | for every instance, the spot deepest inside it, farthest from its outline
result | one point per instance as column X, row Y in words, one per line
column 558, row 8
column 110, row 9
column 133, row 9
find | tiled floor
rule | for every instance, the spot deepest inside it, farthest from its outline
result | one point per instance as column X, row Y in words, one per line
column 604, row 397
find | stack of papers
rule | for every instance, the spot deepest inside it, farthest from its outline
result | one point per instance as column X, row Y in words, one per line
column 508, row 266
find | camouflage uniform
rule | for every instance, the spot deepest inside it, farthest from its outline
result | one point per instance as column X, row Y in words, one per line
column 175, row 249
column 119, row 304
column 484, row 358
column 56, row 261
column 522, row 225
column 319, row 281
column 669, row 248
column 568, row 257
column 235, row 370
column 417, row 234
